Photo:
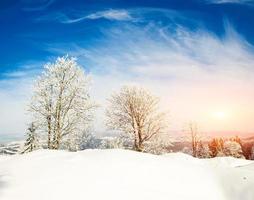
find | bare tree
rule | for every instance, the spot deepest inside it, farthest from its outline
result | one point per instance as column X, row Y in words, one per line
column 61, row 103
column 134, row 111
column 194, row 137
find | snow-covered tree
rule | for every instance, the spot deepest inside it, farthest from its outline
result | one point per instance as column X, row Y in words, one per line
column 226, row 147
column 32, row 141
column 233, row 148
column 90, row 141
column 157, row 145
column 252, row 153
column 134, row 111
column 61, row 102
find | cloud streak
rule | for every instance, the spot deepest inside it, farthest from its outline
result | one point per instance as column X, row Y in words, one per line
column 121, row 15
column 31, row 6
column 112, row 15
column 247, row 2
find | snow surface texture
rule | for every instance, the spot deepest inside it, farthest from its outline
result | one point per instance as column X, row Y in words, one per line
column 123, row 175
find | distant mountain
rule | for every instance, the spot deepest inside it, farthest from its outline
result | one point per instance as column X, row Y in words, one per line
column 230, row 134
column 175, row 135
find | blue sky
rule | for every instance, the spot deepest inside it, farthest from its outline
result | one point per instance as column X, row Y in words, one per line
column 31, row 28
column 173, row 47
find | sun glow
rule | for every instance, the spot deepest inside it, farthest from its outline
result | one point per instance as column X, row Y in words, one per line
column 220, row 115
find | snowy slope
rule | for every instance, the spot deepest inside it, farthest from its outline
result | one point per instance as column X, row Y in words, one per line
column 123, row 175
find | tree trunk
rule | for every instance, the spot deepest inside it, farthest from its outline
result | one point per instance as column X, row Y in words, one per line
column 49, row 132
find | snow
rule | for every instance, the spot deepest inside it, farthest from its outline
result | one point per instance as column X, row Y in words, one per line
column 121, row 174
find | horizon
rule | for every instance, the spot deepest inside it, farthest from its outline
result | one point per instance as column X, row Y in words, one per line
column 173, row 134
column 196, row 56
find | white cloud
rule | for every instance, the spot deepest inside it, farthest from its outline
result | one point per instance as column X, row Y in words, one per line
column 14, row 95
column 15, row 92
column 116, row 15
column 121, row 15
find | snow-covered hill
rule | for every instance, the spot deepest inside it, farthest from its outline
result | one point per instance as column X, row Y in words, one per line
column 123, row 175
column 11, row 148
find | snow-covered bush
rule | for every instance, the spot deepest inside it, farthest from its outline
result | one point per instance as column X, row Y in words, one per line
column 233, row 148
column 157, row 146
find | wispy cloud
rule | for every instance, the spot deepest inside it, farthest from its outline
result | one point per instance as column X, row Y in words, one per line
column 113, row 15
column 194, row 72
column 35, row 6
column 121, row 15
column 231, row 1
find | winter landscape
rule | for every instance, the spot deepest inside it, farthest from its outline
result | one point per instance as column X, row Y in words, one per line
column 135, row 100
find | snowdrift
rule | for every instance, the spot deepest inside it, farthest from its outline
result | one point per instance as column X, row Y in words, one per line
column 123, row 175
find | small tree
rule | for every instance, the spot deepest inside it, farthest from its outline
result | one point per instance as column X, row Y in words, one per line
column 194, row 138
column 32, row 141
column 134, row 111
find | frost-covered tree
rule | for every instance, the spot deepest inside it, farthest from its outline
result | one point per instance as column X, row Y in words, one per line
column 252, row 153
column 32, row 141
column 61, row 102
column 233, row 148
column 226, row 147
column 134, row 111
column 194, row 137
column 112, row 143
column 157, row 145
column 90, row 141
column 216, row 147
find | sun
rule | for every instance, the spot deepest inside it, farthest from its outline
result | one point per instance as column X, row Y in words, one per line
column 220, row 115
